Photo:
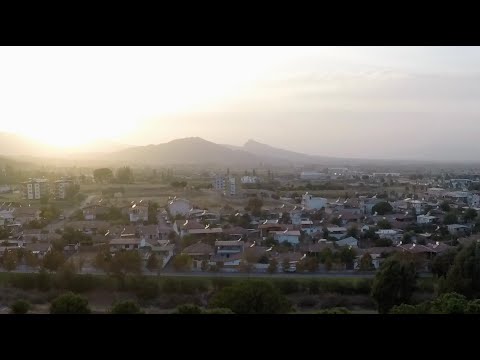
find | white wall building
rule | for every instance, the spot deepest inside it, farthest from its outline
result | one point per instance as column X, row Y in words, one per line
column 249, row 179
column 310, row 202
column 425, row 219
column 179, row 206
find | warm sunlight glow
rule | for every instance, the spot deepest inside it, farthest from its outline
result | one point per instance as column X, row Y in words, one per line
column 69, row 96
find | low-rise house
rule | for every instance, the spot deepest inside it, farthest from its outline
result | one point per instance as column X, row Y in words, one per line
column 161, row 248
column 389, row 234
column 292, row 257
column 350, row 241
column 290, row 236
column 226, row 249
column 307, row 226
column 426, row 219
column 124, row 243
column 138, row 213
column 93, row 227
column 30, row 235
column 378, row 255
column 205, row 232
column 337, row 232
column 39, row 249
column 266, row 228
column 149, row 232
column 459, row 230
column 183, row 227
column 164, row 231
column 91, row 212
column 199, row 252
column 25, row 215
column 179, row 207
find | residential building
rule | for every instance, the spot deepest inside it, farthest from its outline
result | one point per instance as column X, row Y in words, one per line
column 124, row 243
column 474, row 200
column 225, row 184
column 337, row 232
column 35, row 189
column 426, row 219
column 389, row 234
column 179, row 207
column 199, row 252
column 61, row 188
column 226, row 249
column 459, row 230
column 249, row 180
column 310, row 202
column 138, row 213
column 290, row 236
column 350, row 241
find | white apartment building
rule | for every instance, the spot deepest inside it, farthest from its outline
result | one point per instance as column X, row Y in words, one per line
column 35, row 189
column 225, row 184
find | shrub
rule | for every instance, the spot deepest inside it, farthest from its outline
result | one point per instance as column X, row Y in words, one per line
column 70, row 303
column 20, row 307
column 126, row 307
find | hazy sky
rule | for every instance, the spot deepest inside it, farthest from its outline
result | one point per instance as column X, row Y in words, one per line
column 377, row 102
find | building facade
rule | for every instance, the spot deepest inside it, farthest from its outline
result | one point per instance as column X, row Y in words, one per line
column 35, row 189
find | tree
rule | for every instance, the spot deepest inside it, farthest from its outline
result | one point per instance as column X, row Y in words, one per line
column 384, row 224
column 251, row 297
column 124, row 175
column 102, row 175
column 70, row 303
column 126, row 307
column 154, row 263
column 31, row 260
column 366, row 263
column 336, row 221
column 450, row 218
column 272, row 266
column 53, row 260
column 463, row 277
column 255, row 206
column 451, row 303
column 441, row 264
column 347, row 256
column 470, row 214
column 394, row 283
column 352, row 231
column 286, row 264
column 126, row 262
column 152, row 213
column 382, row 208
column 445, row 206
column 10, row 260
column 20, row 307
column 182, row 262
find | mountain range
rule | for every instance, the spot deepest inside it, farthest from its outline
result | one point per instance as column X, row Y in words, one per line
column 186, row 151
column 192, row 150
